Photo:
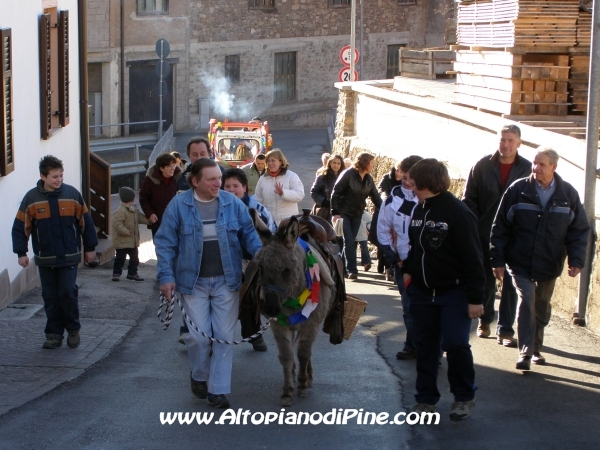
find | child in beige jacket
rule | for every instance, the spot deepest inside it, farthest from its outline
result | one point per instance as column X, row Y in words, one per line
column 126, row 235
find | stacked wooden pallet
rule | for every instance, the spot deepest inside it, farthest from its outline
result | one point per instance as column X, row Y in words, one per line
column 428, row 64
column 506, row 83
column 579, row 83
column 514, row 23
column 584, row 28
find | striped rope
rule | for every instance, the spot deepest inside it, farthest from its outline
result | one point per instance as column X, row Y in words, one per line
column 169, row 306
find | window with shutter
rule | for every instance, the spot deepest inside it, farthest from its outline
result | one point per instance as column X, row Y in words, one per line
column 45, row 77
column 63, row 67
column 54, row 70
column 7, row 149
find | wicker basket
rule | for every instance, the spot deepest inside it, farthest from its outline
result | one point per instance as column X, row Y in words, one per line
column 353, row 308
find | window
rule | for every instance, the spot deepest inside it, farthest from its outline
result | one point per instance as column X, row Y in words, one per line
column 232, row 68
column 393, row 54
column 285, row 76
column 261, row 4
column 153, row 6
column 406, row 2
column 338, row 3
column 54, row 70
column 7, row 162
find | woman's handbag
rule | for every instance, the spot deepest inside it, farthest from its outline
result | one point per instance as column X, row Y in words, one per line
column 321, row 211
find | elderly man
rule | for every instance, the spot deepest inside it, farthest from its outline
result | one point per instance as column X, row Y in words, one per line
column 540, row 221
column 199, row 250
column 254, row 171
column 487, row 182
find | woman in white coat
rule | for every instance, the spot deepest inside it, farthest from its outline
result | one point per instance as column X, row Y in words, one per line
column 279, row 189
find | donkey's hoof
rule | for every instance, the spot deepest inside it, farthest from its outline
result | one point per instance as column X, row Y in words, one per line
column 286, row 401
column 302, row 393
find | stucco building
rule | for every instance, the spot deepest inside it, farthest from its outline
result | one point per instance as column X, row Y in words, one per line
column 240, row 58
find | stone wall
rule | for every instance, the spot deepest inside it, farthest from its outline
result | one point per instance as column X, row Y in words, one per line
column 98, row 25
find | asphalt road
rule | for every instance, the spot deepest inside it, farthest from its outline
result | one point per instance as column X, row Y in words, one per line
column 117, row 403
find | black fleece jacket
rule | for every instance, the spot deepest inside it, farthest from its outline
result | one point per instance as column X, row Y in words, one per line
column 444, row 248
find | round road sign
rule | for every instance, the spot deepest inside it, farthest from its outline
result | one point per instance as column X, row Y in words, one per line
column 166, row 48
column 344, row 74
column 345, row 55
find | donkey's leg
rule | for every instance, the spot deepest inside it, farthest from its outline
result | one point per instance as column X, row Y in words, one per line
column 306, row 340
column 283, row 338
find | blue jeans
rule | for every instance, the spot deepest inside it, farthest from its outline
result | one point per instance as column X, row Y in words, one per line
column 365, row 257
column 351, row 226
column 409, row 344
column 213, row 308
column 60, row 294
column 134, row 261
column 446, row 318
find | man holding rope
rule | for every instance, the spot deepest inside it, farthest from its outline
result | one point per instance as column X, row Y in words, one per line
column 199, row 251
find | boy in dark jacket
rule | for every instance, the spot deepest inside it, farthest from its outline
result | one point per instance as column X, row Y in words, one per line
column 444, row 278
column 56, row 217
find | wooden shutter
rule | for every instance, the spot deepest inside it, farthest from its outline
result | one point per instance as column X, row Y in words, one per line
column 63, row 67
column 7, row 160
column 45, row 77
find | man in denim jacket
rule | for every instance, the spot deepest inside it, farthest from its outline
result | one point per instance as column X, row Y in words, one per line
column 199, row 250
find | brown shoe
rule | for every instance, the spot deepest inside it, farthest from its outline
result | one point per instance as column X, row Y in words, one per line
column 538, row 359
column 367, row 267
column 524, row 363
column 73, row 339
column 483, row 330
column 51, row 343
column 506, row 341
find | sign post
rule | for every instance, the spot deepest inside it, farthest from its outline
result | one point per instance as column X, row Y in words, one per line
column 162, row 70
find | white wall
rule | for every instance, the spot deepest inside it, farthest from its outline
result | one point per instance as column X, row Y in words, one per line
column 23, row 17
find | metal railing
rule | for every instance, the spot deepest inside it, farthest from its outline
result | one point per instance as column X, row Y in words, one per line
column 162, row 146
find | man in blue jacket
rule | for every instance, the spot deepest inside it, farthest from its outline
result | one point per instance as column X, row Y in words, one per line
column 199, row 249
column 56, row 217
column 539, row 223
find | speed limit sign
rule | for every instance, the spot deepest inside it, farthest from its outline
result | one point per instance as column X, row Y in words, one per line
column 344, row 74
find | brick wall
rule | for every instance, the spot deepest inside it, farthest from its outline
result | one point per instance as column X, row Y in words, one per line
column 98, row 24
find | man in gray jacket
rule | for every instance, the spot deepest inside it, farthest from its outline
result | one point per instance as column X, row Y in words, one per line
column 487, row 182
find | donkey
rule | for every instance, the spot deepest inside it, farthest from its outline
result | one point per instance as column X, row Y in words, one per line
column 282, row 265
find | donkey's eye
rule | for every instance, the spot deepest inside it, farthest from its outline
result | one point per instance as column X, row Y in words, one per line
column 286, row 273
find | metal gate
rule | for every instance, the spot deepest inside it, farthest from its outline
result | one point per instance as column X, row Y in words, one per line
column 144, row 98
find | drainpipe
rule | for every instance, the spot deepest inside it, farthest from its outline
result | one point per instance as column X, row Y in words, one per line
column 122, row 69
column 84, row 119
column 591, row 137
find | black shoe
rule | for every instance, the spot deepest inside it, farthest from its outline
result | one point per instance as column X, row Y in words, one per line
column 538, row 359
column 51, row 343
column 405, row 354
column 199, row 388
column 135, row 277
column 380, row 267
column 352, row 276
column 524, row 363
column 116, row 277
column 73, row 339
column 218, row 400
column 259, row 344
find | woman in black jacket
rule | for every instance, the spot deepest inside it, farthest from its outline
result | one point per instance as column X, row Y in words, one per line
column 348, row 202
column 322, row 188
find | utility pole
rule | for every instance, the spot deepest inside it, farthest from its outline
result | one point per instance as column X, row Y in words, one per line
column 591, row 169
column 352, row 37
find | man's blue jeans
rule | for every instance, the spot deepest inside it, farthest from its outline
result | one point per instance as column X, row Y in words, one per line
column 445, row 317
column 409, row 344
column 60, row 294
column 213, row 308
column 351, row 226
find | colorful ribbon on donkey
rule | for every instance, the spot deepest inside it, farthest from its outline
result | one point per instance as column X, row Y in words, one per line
column 309, row 298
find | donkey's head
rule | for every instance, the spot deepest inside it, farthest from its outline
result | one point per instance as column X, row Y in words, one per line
column 281, row 261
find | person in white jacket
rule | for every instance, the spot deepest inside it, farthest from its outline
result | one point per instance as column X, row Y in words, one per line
column 279, row 189
column 392, row 233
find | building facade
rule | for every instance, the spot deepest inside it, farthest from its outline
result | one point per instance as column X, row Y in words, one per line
column 39, row 113
column 277, row 59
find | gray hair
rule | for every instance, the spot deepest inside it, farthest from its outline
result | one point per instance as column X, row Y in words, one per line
column 511, row 129
column 552, row 154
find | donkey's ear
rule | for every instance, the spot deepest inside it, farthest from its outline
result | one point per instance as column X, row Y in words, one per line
column 289, row 232
column 261, row 228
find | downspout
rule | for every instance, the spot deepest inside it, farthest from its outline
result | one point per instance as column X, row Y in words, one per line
column 122, row 70
column 84, row 119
